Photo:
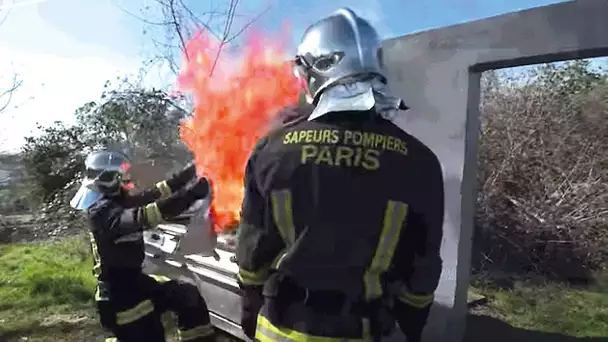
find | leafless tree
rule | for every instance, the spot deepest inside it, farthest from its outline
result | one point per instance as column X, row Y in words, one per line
column 178, row 22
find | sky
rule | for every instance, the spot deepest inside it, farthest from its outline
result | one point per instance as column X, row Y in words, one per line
column 65, row 50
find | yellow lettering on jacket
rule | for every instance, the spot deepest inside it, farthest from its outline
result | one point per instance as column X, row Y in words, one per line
column 344, row 148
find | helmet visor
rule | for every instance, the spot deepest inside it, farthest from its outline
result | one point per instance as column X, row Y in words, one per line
column 84, row 198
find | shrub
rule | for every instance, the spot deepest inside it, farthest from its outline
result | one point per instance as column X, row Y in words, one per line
column 543, row 171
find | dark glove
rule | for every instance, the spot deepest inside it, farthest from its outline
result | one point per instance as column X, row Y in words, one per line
column 184, row 198
column 411, row 320
column 251, row 303
column 180, row 179
column 199, row 188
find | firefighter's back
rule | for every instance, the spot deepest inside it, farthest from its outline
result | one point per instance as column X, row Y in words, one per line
column 346, row 177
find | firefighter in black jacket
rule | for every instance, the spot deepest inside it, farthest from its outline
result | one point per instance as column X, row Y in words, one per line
column 342, row 216
column 130, row 303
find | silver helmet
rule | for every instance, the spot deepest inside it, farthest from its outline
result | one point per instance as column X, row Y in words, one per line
column 337, row 48
column 105, row 173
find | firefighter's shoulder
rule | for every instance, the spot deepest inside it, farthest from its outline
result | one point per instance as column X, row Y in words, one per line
column 285, row 118
column 289, row 116
column 102, row 211
column 424, row 156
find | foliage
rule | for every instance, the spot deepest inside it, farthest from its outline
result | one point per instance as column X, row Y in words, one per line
column 13, row 199
column 139, row 122
column 145, row 122
column 52, row 159
column 13, row 193
column 543, row 171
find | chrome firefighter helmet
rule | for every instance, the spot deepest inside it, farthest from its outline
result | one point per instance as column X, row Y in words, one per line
column 105, row 173
column 335, row 49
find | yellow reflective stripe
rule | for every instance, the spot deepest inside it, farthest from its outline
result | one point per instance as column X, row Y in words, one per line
column 279, row 258
column 159, row 278
column 283, row 215
column 417, row 301
column 153, row 215
column 259, row 278
column 266, row 332
column 164, row 188
column 196, row 332
column 139, row 311
column 253, row 278
column 97, row 294
column 394, row 218
column 283, row 218
column 96, row 257
column 111, row 339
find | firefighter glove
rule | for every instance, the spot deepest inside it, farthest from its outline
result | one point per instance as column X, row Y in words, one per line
column 184, row 198
column 199, row 188
column 250, row 307
column 180, row 179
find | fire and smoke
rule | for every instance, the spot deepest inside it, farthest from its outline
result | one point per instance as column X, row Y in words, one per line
column 235, row 98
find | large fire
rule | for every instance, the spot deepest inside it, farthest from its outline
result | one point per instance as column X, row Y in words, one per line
column 235, row 98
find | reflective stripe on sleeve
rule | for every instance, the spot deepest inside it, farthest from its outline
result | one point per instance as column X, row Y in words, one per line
column 277, row 261
column 283, row 215
column 267, row 332
column 165, row 190
column 96, row 257
column 137, row 312
column 153, row 215
column 394, row 218
column 196, row 332
column 416, row 300
column 253, row 278
column 159, row 278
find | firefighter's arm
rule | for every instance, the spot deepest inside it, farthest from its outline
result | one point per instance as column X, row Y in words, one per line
column 259, row 241
column 114, row 221
column 166, row 188
column 177, row 181
column 424, row 232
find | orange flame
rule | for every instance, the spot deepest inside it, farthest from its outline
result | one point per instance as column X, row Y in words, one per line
column 235, row 98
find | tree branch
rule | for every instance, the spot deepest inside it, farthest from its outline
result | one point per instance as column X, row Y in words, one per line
column 180, row 22
column 6, row 95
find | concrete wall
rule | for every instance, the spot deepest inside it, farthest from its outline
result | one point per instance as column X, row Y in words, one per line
column 437, row 73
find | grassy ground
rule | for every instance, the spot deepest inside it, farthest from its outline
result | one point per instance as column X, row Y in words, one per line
column 542, row 312
column 581, row 312
column 46, row 292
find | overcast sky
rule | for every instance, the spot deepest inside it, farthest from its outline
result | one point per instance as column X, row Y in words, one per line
column 64, row 50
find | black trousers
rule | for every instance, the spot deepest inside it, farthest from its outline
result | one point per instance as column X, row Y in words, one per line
column 130, row 306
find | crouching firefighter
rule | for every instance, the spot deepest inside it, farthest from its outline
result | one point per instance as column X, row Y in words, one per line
column 341, row 221
column 130, row 303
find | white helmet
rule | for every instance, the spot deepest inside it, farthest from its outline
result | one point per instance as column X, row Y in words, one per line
column 105, row 173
